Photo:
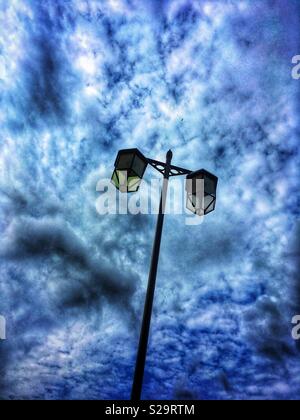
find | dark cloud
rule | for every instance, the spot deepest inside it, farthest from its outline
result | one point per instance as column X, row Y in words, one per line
column 272, row 333
column 45, row 90
column 30, row 238
column 183, row 394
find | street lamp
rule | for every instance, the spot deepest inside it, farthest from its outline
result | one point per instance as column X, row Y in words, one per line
column 130, row 167
column 201, row 188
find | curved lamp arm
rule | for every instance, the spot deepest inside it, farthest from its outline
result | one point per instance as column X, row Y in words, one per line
column 174, row 170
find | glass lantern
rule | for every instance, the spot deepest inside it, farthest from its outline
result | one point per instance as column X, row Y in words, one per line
column 201, row 188
column 130, row 167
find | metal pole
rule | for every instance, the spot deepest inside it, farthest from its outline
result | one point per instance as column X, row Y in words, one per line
column 144, row 337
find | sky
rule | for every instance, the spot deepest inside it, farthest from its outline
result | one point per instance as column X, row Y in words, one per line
column 210, row 79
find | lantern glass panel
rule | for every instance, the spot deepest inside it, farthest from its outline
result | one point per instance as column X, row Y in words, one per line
column 201, row 189
column 122, row 175
column 139, row 166
column 210, row 185
column 126, row 181
column 119, row 179
column 115, row 180
column 134, row 183
column 209, row 204
column 195, row 204
column 125, row 160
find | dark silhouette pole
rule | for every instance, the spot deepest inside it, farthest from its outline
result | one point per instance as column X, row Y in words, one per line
column 144, row 337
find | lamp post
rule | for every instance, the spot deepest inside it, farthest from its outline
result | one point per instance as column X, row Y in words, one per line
column 130, row 167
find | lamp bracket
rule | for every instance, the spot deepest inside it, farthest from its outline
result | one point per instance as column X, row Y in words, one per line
column 174, row 170
column 159, row 166
column 177, row 171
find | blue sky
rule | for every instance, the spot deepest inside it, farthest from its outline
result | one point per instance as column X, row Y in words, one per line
column 81, row 79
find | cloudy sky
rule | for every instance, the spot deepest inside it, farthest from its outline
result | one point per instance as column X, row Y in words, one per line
column 211, row 79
